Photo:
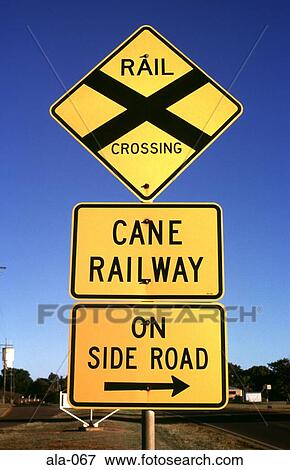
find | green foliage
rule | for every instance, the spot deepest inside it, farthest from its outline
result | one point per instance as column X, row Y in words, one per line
column 22, row 381
column 254, row 379
column 40, row 387
column 257, row 377
column 235, row 375
column 46, row 389
column 281, row 378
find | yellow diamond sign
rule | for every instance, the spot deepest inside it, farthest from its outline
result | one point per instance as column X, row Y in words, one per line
column 146, row 112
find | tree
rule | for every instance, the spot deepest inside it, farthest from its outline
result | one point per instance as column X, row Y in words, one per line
column 258, row 376
column 54, row 382
column 40, row 387
column 236, row 374
column 281, row 378
column 57, row 382
column 63, row 383
column 21, row 379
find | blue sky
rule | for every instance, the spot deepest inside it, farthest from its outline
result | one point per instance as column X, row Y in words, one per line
column 45, row 172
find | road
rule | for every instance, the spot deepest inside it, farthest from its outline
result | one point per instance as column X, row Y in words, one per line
column 272, row 429
column 26, row 414
column 269, row 427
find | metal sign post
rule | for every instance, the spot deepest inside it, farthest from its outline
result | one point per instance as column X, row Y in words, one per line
column 148, row 430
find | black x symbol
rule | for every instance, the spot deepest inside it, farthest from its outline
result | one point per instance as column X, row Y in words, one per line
column 140, row 108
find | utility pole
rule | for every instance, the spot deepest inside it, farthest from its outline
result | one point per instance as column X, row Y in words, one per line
column 4, row 373
column 7, row 360
column 4, row 385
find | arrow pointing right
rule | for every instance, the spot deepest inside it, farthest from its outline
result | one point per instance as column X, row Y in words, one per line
column 177, row 386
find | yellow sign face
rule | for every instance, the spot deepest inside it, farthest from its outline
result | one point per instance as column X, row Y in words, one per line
column 147, row 251
column 146, row 112
column 148, row 356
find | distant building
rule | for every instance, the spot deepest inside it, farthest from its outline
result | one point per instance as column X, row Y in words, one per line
column 235, row 392
column 254, row 397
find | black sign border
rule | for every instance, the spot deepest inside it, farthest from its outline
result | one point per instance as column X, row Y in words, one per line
column 192, row 156
column 199, row 406
column 216, row 296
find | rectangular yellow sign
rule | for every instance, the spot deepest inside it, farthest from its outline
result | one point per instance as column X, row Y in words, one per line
column 148, row 356
column 147, row 251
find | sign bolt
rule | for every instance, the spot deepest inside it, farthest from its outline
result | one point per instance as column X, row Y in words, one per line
column 144, row 281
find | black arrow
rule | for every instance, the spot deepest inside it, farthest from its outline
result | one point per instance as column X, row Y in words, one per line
column 176, row 386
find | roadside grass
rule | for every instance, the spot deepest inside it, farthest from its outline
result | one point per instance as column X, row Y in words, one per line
column 4, row 409
column 116, row 434
column 279, row 406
